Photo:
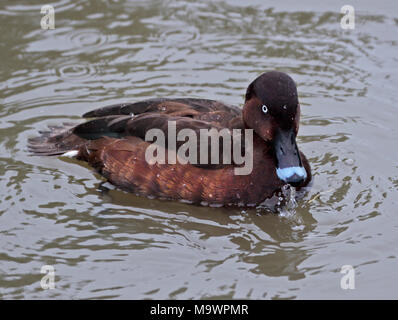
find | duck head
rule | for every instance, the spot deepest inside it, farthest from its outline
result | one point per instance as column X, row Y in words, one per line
column 272, row 110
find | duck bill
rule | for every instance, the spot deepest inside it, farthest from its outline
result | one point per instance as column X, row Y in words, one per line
column 289, row 167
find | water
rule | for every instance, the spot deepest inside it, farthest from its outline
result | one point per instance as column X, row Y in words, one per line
column 105, row 243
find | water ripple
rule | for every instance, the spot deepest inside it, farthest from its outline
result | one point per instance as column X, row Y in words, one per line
column 56, row 211
column 87, row 38
column 76, row 71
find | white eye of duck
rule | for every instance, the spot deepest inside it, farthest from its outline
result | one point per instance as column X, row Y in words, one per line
column 264, row 108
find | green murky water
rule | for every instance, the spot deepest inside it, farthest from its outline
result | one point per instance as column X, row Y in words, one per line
column 110, row 244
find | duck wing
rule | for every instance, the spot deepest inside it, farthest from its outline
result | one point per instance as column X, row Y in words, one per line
column 215, row 112
column 134, row 120
column 170, row 127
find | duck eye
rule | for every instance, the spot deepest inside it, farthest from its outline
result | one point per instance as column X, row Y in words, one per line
column 264, row 108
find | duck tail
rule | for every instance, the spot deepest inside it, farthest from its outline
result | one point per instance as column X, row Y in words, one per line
column 58, row 140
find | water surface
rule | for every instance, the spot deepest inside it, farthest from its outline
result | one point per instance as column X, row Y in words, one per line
column 105, row 243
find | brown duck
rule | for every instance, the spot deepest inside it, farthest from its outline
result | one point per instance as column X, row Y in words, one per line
column 114, row 144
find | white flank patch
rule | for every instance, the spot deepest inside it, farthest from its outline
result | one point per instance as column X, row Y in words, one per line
column 71, row 154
